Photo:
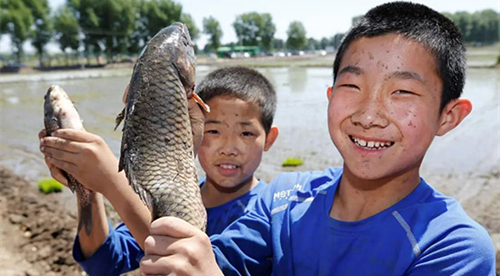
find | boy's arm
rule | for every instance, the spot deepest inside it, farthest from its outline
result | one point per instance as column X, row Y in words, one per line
column 88, row 158
column 464, row 250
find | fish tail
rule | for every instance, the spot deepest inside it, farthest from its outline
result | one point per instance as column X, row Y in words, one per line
column 85, row 217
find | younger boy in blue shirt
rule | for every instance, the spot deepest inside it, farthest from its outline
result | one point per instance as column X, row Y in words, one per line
column 237, row 131
column 398, row 77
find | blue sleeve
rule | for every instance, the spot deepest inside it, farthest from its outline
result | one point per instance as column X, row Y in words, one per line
column 460, row 252
column 118, row 254
column 244, row 247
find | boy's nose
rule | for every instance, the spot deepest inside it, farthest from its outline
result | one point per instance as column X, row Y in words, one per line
column 370, row 113
column 228, row 147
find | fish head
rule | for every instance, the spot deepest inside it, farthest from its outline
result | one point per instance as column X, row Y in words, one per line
column 185, row 59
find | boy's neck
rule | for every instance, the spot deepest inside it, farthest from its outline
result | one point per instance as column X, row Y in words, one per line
column 357, row 199
column 214, row 195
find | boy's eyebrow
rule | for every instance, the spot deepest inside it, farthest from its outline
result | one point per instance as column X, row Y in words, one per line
column 408, row 75
column 351, row 69
column 212, row 122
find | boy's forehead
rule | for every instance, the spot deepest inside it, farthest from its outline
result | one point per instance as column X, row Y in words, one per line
column 391, row 56
column 221, row 104
column 390, row 46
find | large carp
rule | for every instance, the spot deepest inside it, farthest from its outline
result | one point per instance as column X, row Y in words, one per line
column 59, row 112
column 157, row 143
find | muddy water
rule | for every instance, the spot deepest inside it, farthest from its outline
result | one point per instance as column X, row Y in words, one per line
column 471, row 149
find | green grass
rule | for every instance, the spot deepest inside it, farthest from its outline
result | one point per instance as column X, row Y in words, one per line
column 48, row 186
column 292, row 162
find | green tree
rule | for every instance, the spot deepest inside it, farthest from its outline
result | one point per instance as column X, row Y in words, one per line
column 42, row 27
column 487, row 26
column 212, row 28
column 313, row 44
column 194, row 32
column 16, row 22
column 278, row 44
column 66, row 31
column 254, row 29
column 106, row 24
column 336, row 39
column 86, row 11
column 139, row 33
column 356, row 19
column 324, row 42
column 160, row 14
column 296, row 36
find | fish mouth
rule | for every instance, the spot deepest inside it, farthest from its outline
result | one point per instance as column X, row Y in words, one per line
column 369, row 144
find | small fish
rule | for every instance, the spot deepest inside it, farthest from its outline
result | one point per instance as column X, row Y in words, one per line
column 59, row 112
column 157, row 142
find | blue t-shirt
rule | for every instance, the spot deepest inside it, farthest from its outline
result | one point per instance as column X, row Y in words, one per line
column 120, row 253
column 290, row 232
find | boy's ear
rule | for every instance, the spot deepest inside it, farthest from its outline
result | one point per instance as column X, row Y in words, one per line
column 271, row 137
column 453, row 113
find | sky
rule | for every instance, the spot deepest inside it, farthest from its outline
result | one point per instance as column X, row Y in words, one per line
column 321, row 18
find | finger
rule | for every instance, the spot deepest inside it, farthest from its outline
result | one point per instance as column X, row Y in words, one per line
column 172, row 227
column 59, row 148
column 158, row 245
column 76, row 135
column 62, row 165
column 56, row 173
column 154, row 265
column 42, row 134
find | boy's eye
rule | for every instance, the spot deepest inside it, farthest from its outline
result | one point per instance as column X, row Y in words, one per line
column 402, row 92
column 349, row 85
column 212, row 131
column 247, row 134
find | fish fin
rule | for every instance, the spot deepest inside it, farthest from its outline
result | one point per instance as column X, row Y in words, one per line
column 143, row 194
column 85, row 206
column 119, row 118
column 85, row 218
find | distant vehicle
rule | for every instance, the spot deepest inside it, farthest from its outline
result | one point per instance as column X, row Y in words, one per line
column 297, row 53
column 12, row 67
column 238, row 51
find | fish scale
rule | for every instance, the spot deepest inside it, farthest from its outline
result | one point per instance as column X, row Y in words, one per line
column 157, row 143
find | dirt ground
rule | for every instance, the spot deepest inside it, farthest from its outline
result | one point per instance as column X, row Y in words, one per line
column 36, row 233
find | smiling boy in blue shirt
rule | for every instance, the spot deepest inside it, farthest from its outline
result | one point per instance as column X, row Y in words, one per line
column 398, row 77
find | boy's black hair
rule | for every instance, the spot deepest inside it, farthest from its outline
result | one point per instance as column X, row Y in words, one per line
column 245, row 84
column 424, row 25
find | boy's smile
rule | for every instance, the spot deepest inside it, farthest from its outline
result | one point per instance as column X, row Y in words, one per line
column 384, row 110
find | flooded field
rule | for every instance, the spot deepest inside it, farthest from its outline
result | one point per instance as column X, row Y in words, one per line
column 472, row 149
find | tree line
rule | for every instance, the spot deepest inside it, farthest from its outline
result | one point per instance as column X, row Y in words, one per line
column 117, row 27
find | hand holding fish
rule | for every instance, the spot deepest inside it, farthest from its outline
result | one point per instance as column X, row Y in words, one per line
column 176, row 247
column 84, row 155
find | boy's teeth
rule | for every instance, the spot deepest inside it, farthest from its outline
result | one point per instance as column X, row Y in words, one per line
column 228, row 166
column 371, row 144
